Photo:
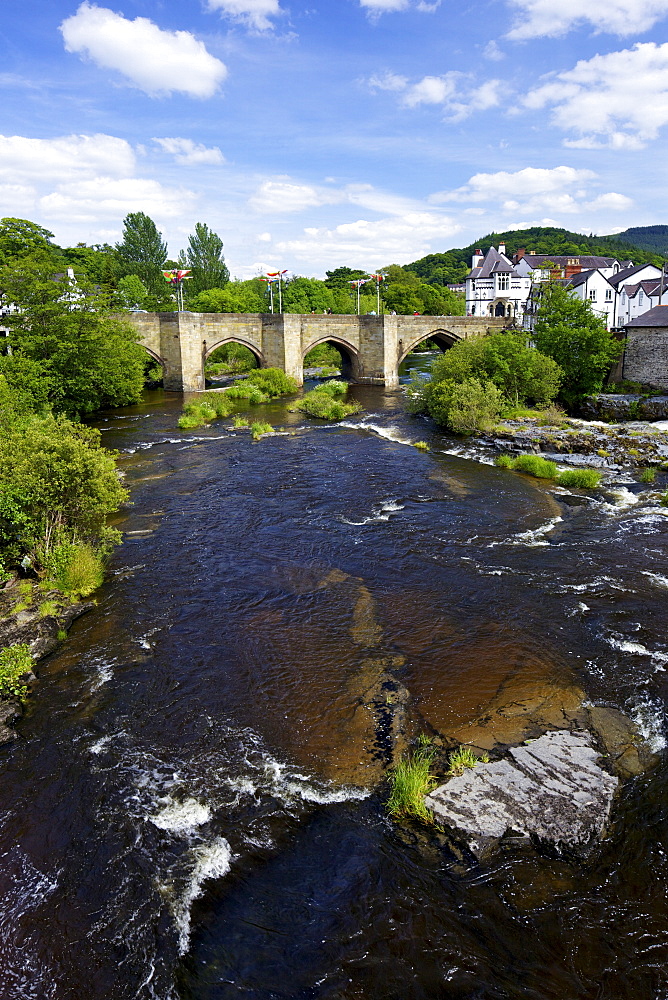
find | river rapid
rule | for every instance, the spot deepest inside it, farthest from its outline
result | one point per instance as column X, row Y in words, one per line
column 189, row 811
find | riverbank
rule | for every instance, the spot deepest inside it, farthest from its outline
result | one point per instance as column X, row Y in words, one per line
column 39, row 620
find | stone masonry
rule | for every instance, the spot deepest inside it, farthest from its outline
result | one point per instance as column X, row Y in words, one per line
column 372, row 347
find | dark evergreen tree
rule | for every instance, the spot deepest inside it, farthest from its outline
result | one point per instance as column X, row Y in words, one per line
column 142, row 251
column 205, row 259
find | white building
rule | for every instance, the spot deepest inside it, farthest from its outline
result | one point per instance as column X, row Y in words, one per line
column 495, row 287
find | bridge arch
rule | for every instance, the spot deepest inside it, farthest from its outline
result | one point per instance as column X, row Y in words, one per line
column 350, row 363
column 253, row 348
column 444, row 338
column 152, row 356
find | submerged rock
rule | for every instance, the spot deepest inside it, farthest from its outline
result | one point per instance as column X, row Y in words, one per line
column 553, row 789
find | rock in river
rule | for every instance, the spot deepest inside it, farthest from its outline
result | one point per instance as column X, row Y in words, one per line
column 552, row 789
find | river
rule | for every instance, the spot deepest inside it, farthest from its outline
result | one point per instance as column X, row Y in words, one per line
column 188, row 812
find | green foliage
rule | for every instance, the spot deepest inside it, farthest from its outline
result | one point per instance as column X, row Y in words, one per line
column 272, row 381
column 324, row 354
column 504, row 461
column 259, row 428
column 131, row 293
column 239, row 422
column 89, row 357
column 142, row 251
column 648, row 475
column 341, row 277
column 48, row 609
column 204, row 408
column 322, row 405
column 237, row 297
column 521, row 373
column 15, row 663
column 248, row 391
column 76, row 568
column 421, row 446
column 536, row 466
column 412, row 779
column 20, row 239
column 230, row 358
column 204, row 257
column 464, row 758
column 588, row 479
column 333, row 388
column 55, row 480
column 463, row 407
column 568, row 331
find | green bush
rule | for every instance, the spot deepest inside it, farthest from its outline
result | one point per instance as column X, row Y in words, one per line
column 587, row 479
column 239, row 422
column 648, row 475
column 205, row 408
column 324, row 355
column 75, row 568
column 333, row 388
column 411, row 780
column 322, row 406
column 504, row 461
column 536, row 466
column 272, row 381
column 253, row 394
column 464, row 407
column 15, row 663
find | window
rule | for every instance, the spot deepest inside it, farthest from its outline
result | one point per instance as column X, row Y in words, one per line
column 504, row 282
column 623, row 296
column 640, row 297
column 608, row 295
column 592, row 295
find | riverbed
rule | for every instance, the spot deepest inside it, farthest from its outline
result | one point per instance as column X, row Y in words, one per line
column 192, row 808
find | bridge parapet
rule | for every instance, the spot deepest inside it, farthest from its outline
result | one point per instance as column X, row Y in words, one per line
column 373, row 347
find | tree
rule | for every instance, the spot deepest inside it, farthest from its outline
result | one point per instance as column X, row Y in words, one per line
column 91, row 358
column 205, row 259
column 568, row 331
column 142, row 250
column 131, row 293
column 237, row 296
column 341, row 277
column 20, row 238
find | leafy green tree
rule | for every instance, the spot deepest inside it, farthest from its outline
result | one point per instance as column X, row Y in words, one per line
column 522, row 373
column 204, row 257
column 131, row 293
column 90, row 357
column 20, row 238
column 303, row 295
column 98, row 264
column 568, row 330
column 237, row 296
column 341, row 277
column 142, row 251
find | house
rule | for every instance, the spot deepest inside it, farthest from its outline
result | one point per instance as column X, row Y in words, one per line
column 594, row 286
column 543, row 266
column 495, row 287
column 638, row 289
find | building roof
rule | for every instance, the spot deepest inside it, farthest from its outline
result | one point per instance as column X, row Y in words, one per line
column 658, row 316
column 586, row 263
column 580, row 278
column 628, row 272
column 649, row 287
column 493, row 263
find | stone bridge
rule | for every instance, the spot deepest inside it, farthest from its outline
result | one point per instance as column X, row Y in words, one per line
column 372, row 347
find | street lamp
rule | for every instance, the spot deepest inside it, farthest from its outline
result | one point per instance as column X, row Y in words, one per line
column 277, row 276
column 377, row 278
column 358, row 284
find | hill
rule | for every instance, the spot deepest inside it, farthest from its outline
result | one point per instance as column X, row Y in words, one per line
column 453, row 265
column 652, row 238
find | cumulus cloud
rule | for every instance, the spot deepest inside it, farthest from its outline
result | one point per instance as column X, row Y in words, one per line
column 64, row 157
column 543, row 18
column 363, row 242
column 458, row 94
column 113, row 198
column 616, row 101
column 281, row 195
column 535, row 190
column 156, row 61
column 191, row 153
column 254, row 13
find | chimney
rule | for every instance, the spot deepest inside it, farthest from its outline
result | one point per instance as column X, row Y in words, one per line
column 502, row 248
column 520, row 253
column 477, row 259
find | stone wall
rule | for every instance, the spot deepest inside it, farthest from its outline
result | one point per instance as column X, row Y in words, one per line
column 646, row 356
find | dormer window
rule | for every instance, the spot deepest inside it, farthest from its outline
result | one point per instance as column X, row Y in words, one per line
column 504, row 282
column 573, row 261
column 640, row 297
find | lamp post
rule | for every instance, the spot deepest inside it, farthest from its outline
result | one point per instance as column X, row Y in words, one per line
column 277, row 276
column 358, row 284
column 377, row 278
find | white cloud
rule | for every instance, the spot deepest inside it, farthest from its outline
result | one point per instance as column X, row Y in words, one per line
column 544, row 18
column 375, row 8
column 616, row 101
column 282, row 195
column 255, row 13
column 191, row 153
column 112, row 198
column 457, row 93
column 532, row 191
column 364, row 243
column 264, row 237
column 64, row 157
column 493, row 52
column 155, row 61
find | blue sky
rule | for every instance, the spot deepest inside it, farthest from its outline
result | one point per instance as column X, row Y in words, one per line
column 310, row 135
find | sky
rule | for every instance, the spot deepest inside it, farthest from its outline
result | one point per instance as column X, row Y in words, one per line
column 316, row 134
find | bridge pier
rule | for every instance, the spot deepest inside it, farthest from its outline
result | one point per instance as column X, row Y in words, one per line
column 374, row 346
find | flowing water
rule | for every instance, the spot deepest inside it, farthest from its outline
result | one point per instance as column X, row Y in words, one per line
column 191, row 810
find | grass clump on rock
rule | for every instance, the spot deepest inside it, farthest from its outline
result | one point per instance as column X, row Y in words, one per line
column 258, row 429
column 536, row 466
column 587, row 479
column 207, row 407
column 648, row 475
column 252, row 393
column 504, row 461
column 15, row 664
column 460, row 759
column 421, row 446
column 411, row 780
column 321, row 403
